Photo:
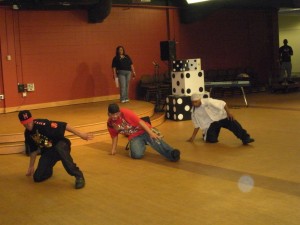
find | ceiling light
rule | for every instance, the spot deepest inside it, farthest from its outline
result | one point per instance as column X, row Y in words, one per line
column 195, row 1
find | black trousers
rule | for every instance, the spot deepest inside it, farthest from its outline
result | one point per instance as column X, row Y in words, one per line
column 60, row 152
column 232, row 125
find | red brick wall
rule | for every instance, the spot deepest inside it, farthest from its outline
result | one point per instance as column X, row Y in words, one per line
column 67, row 58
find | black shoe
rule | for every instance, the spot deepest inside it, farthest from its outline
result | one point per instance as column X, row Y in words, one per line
column 247, row 141
column 79, row 183
column 175, row 155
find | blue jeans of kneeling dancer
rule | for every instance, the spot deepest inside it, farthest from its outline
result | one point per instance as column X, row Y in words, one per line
column 138, row 147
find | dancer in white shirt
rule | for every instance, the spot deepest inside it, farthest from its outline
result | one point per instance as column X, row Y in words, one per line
column 210, row 115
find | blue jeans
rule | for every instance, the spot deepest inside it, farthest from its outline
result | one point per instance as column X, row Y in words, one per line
column 138, row 147
column 124, row 79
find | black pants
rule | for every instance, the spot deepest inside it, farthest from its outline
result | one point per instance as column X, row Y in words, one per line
column 232, row 125
column 61, row 151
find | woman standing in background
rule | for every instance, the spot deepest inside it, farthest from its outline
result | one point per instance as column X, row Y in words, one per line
column 122, row 68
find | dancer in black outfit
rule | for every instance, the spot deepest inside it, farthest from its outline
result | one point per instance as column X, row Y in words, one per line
column 47, row 138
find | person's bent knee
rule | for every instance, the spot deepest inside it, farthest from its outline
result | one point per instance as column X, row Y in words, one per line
column 211, row 141
column 39, row 179
column 137, row 149
column 136, row 156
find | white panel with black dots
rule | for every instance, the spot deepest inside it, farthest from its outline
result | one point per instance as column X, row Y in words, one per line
column 178, row 107
column 188, row 82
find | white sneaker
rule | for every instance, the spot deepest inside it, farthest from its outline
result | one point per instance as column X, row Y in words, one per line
column 123, row 101
column 127, row 100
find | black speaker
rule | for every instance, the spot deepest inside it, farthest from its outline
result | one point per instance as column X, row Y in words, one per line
column 98, row 12
column 167, row 50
